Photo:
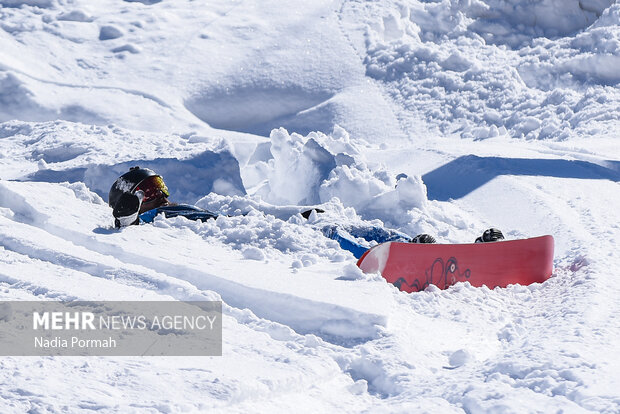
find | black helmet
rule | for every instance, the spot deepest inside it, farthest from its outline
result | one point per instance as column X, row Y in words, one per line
column 128, row 182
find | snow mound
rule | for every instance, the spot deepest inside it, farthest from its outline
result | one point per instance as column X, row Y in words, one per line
column 515, row 23
column 461, row 81
column 110, row 32
column 256, row 109
column 318, row 168
column 17, row 101
column 75, row 16
column 259, row 236
column 298, row 166
column 62, row 151
column 34, row 3
column 27, row 98
column 375, row 195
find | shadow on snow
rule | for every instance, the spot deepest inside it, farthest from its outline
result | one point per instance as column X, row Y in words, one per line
column 187, row 180
column 465, row 174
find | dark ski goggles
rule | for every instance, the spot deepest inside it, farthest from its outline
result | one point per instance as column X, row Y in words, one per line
column 153, row 188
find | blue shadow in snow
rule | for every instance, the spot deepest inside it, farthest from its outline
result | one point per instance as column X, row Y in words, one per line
column 463, row 175
column 187, row 179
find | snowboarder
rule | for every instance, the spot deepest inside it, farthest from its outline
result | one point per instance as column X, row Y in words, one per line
column 140, row 194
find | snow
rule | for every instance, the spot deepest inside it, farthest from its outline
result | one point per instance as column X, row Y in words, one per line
column 442, row 117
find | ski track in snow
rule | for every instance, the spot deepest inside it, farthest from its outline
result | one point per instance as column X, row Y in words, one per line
column 52, row 274
column 526, row 111
column 542, row 312
column 76, row 86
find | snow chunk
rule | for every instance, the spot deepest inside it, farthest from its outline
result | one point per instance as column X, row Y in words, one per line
column 373, row 195
column 456, row 62
column 110, row 32
column 83, row 193
column 459, row 358
column 352, row 272
column 297, row 169
column 318, row 168
column 75, row 16
column 253, row 253
column 126, row 48
column 359, row 387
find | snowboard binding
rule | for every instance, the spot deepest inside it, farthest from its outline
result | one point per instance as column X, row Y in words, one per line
column 490, row 235
column 423, row 238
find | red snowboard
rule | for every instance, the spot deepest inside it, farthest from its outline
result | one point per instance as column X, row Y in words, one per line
column 412, row 267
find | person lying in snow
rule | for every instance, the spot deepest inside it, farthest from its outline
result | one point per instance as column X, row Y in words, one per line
column 139, row 195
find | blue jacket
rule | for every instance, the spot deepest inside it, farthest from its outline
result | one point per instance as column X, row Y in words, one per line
column 185, row 210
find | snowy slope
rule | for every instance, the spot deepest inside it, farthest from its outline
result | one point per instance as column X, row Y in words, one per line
column 501, row 113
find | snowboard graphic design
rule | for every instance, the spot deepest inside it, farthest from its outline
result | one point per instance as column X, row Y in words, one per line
column 412, row 267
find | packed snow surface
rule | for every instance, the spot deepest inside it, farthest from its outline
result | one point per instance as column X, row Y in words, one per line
column 441, row 117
